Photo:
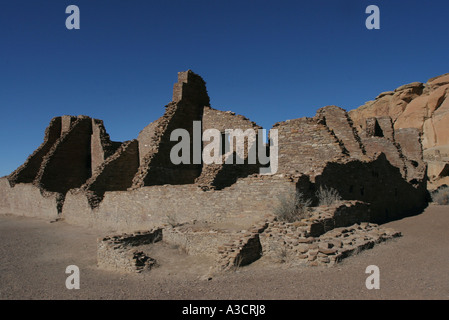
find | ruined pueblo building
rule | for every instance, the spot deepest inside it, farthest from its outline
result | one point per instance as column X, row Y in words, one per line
column 371, row 156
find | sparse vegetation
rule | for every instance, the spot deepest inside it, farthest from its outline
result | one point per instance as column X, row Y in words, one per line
column 327, row 196
column 293, row 207
column 441, row 196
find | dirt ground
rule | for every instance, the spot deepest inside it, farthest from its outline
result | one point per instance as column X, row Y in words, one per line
column 34, row 255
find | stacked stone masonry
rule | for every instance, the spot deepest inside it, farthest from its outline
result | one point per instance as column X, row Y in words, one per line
column 116, row 252
column 314, row 241
column 378, row 157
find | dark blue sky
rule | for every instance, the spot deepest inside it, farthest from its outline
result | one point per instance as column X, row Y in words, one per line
column 268, row 60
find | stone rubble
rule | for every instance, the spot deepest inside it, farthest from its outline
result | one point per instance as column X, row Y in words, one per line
column 313, row 241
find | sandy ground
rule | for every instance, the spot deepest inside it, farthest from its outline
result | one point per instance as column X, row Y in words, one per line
column 34, row 255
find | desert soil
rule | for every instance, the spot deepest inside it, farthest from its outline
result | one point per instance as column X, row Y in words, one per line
column 34, row 255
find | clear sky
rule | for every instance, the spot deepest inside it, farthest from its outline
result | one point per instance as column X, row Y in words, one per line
column 268, row 60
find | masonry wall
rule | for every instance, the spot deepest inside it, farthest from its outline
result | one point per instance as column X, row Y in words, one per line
column 376, row 145
column 224, row 175
column 147, row 139
column 376, row 165
column 338, row 121
column 25, row 199
column 115, row 173
column 246, row 201
column 190, row 88
column 156, row 167
column 68, row 164
column 101, row 145
column 410, row 141
column 305, row 146
column 198, row 243
column 27, row 172
column 402, row 147
column 377, row 182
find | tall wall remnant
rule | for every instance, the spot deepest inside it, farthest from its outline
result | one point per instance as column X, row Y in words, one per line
column 220, row 175
column 114, row 174
column 189, row 98
column 27, row 172
column 365, row 155
column 327, row 151
column 73, row 147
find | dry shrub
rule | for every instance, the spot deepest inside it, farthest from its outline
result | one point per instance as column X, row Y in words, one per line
column 292, row 207
column 327, row 196
column 441, row 196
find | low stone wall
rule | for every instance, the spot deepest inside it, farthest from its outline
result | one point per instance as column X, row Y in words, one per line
column 247, row 201
column 280, row 244
column 338, row 215
column 325, row 238
column 242, row 250
column 116, row 252
column 197, row 242
column 27, row 200
column 328, row 236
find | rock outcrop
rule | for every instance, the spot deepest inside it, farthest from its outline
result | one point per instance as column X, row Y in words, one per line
column 420, row 106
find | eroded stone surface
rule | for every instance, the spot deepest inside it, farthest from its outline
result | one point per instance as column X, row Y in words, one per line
column 424, row 107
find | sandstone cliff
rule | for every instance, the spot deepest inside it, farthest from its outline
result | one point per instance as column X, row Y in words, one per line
column 424, row 106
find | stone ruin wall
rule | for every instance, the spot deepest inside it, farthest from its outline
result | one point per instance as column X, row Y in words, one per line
column 114, row 174
column 377, row 182
column 218, row 176
column 130, row 190
column 160, row 169
column 118, row 253
column 327, row 237
column 245, row 202
column 305, row 146
column 101, row 145
column 80, row 175
column 27, row 172
column 147, row 139
column 25, row 199
column 340, row 124
column 68, row 163
column 62, row 162
column 328, row 152
column 189, row 98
